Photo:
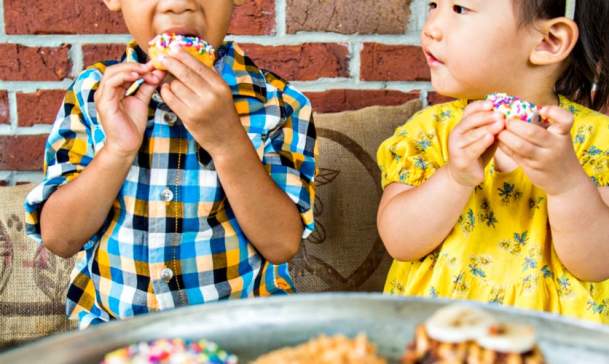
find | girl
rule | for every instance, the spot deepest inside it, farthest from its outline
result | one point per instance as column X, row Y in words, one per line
column 531, row 227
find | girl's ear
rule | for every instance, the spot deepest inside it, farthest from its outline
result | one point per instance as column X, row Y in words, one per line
column 113, row 5
column 558, row 38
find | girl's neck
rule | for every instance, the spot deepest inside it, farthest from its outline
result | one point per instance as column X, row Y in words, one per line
column 541, row 98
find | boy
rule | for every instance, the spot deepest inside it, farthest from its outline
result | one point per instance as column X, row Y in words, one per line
column 197, row 188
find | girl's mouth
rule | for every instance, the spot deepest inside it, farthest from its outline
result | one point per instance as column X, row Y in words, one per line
column 431, row 59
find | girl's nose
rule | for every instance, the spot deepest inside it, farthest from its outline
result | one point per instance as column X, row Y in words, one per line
column 431, row 30
column 433, row 34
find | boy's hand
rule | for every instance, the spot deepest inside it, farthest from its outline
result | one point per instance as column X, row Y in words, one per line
column 124, row 118
column 202, row 100
column 547, row 156
column 470, row 139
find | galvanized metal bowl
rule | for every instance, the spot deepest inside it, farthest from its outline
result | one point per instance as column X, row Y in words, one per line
column 250, row 328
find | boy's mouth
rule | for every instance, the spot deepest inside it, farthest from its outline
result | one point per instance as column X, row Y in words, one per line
column 182, row 31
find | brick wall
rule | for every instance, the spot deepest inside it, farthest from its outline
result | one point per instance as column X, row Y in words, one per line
column 344, row 54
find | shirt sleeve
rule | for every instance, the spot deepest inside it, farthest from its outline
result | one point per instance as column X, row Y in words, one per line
column 290, row 155
column 591, row 143
column 417, row 149
column 69, row 147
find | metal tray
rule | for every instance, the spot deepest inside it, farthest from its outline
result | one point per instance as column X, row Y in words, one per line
column 252, row 327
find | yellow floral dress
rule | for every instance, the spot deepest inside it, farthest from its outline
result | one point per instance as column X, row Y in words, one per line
column 501, row 249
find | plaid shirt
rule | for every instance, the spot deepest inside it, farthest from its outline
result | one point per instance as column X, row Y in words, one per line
column 171, row 237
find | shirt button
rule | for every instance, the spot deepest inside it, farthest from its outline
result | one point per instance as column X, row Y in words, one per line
column 166, row 274
column 170, row 118
column 167, row 195
column 156, row 96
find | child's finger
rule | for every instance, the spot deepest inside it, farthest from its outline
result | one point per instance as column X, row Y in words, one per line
column 519, row 146
column 509, row 152
column 126, row 67
column 473, row 136
column 145, row 91
column 185, row 74
column 174, row 102
column 475, row 149
column 530, row 132
column 114, row 87
column 561, row 120
column 478, row 120
column 181, row 91
column 477, row 106
column 191, row 62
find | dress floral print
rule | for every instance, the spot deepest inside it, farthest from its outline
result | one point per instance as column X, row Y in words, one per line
column 500, row 250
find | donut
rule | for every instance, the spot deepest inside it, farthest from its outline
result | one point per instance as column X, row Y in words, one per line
column 195, row 46
column 166, row 351
column 513, row 107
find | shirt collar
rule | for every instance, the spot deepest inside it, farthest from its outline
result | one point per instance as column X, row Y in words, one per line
column 243, row 77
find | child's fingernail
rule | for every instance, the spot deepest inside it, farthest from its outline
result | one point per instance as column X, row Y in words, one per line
column 134, row 74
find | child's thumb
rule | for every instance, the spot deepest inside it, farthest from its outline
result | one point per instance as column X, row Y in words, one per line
column 561, row 120
column 144, row 93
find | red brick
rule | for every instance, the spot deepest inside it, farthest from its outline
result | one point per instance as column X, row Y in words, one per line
column 381, row 62
column 348, row 16
column 20, row 63
column 93, row 53
column 61, row 17
column 38, row 108
column 22, row 152
column 4, row 114
column 342, row 100
column 253, row 17
column 302, row 62
column 3, row 183
column 435, row 98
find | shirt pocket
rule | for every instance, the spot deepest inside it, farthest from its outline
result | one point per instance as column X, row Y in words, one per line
column 211, row 196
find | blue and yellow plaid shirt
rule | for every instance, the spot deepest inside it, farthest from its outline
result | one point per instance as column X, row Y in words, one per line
column 171, row 237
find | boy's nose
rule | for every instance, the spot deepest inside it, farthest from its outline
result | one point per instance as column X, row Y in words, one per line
column 176, row 6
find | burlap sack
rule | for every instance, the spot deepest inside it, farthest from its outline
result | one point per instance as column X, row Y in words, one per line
column 345, row 252
column 33, row 282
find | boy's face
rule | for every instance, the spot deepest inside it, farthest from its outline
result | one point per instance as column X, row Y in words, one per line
column 208, row 19
column 476, row 47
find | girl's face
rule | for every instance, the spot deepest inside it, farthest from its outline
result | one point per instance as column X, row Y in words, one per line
column 208, row 19
column 476, row 47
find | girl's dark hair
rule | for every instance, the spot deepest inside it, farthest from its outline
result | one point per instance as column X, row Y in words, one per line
column 589, row 61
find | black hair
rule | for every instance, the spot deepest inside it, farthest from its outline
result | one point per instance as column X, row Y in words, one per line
column 588, row 64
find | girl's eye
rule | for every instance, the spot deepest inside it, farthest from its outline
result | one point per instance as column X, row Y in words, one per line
column 432, row 5
column 460, row 9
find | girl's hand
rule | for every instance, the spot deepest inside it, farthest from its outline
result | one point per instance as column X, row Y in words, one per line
column 124, row 118
column 470, row 139
column 202, row 100
column 547, row 156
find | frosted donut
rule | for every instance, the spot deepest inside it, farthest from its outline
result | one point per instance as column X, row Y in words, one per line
column 195, row 46
column 165, row 351
column 514, row 108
